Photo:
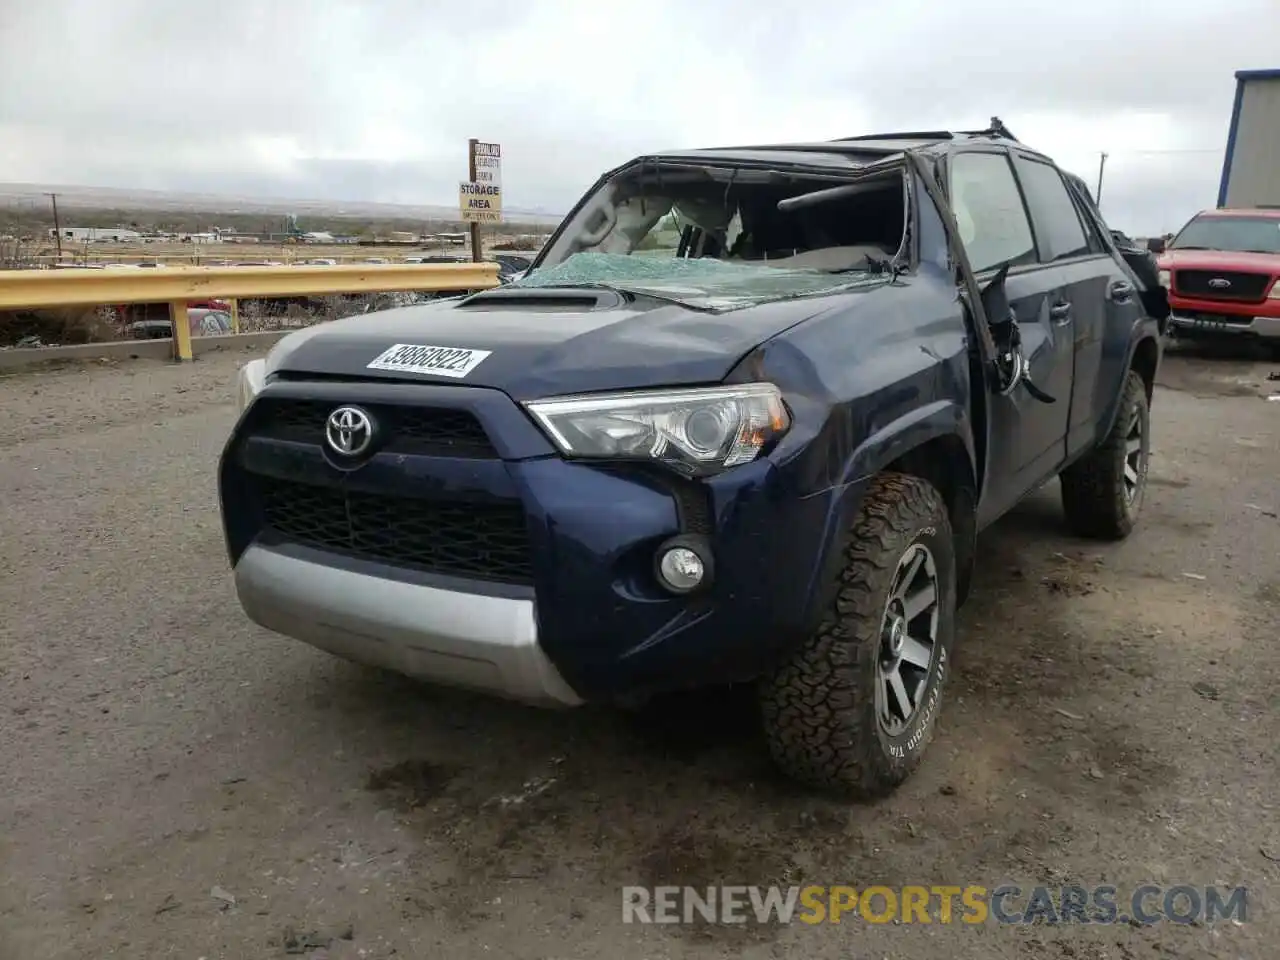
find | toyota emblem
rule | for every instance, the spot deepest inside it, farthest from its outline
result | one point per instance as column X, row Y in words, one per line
column 1220, row 283
column 349, row 431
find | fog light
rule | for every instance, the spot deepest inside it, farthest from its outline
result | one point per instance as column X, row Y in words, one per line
column 683, row 564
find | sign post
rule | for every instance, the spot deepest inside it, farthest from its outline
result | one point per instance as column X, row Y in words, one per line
column 480, row 196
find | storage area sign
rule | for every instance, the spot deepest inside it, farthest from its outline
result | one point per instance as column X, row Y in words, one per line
column 480, row 198
column 480, row 202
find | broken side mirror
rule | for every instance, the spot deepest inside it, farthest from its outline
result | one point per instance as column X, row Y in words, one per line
column 1011, row 364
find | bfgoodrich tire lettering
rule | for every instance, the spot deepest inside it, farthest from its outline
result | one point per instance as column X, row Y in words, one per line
column 822, row 714
column 1102, row 493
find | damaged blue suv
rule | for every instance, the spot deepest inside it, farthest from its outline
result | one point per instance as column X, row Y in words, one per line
column 740, row 423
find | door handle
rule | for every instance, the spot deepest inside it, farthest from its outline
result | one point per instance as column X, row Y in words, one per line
column 1060, row 313
column 1120, row 291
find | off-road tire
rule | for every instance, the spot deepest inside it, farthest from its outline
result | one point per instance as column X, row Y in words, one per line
column 819, row 706
column 1093, row 488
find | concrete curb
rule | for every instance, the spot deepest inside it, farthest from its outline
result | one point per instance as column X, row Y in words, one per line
column 18, row 357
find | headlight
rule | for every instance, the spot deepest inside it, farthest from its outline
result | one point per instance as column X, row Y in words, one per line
column 1162, row 277
column 696, row 431
column 249, row 382
column 1275, row 291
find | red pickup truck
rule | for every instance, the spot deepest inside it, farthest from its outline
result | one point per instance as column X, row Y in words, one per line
column 1222, row 272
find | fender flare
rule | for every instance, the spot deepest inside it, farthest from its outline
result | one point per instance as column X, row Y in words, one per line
column 1146, row 329
column 942, row 418
column 913, row 429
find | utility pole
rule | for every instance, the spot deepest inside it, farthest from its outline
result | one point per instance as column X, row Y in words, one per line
column 1102, row 165
column 57, row 227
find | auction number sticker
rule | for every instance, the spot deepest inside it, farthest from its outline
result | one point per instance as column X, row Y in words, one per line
column 454, row 362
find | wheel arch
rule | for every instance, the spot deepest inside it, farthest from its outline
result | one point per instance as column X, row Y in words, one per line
column 944, row 462
column 935, row 443
column 1144, row 360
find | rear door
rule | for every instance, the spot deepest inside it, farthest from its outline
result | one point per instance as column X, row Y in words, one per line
column 1092, row 284
column 1026, row 436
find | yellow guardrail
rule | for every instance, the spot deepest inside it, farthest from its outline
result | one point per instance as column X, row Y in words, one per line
column 257, row 257
column 177, row 286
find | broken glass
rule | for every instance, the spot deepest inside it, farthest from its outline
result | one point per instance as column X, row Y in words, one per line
column 705, row 282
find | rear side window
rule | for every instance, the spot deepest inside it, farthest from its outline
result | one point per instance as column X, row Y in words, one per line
column 988, row 208
column 1094, row 225
column 1059, row 233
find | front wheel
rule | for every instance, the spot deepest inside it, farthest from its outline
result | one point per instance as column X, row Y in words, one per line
column 853, row 708
column 1102, row 493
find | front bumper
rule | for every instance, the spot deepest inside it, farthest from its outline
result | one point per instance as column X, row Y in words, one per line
column 467, row 640
column 1267, row 328
column 584, row 618
column 1198, row 317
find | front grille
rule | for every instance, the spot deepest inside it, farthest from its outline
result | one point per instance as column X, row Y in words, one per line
column 1250, row 287
column 476, row 540
column 429, row 431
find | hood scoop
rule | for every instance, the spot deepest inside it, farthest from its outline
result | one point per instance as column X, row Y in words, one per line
column 544, row 298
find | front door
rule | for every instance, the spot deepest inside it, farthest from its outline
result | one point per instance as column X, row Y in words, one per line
column 1026, row 437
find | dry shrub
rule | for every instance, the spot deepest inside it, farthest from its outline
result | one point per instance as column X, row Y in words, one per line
column 58, row 325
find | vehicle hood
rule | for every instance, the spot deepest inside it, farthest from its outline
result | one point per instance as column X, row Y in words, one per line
column 1219, row 260
column 643, row 342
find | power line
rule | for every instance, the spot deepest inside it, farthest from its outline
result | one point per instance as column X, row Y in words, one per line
column 1165, row 152
column 1186, row 151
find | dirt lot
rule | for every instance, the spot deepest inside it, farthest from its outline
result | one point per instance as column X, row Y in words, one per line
column 1112, row 718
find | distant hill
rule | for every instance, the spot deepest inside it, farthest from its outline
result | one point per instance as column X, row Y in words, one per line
column 99, row 198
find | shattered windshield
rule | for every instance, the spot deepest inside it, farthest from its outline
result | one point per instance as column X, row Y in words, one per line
column 723, row 238
column 715, row 284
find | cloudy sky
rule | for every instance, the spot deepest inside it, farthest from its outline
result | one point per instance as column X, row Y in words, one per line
column 374, row 100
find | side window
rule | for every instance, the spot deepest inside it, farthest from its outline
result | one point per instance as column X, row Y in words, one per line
column 988, row 208
column 1057, row 221
column 932, row 236
column 1093, row 222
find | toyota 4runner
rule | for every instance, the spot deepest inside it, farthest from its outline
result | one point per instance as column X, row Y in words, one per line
column 741, row 422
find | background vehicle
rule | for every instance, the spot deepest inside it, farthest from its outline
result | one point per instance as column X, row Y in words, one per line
column 510, row 266
column 147, row 320
column 761, row 452
column 1223, row 274
column 204, row 323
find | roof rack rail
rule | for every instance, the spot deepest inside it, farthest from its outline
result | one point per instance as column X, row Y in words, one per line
column 910, row 135
column 996, row 129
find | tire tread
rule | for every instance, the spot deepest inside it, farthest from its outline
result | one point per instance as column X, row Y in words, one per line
column 1093, row 487
column 820, row 723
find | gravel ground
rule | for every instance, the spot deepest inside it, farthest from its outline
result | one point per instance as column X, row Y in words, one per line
column 1112, row 718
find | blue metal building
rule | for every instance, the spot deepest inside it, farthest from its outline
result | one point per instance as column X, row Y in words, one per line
column 1251, row 167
